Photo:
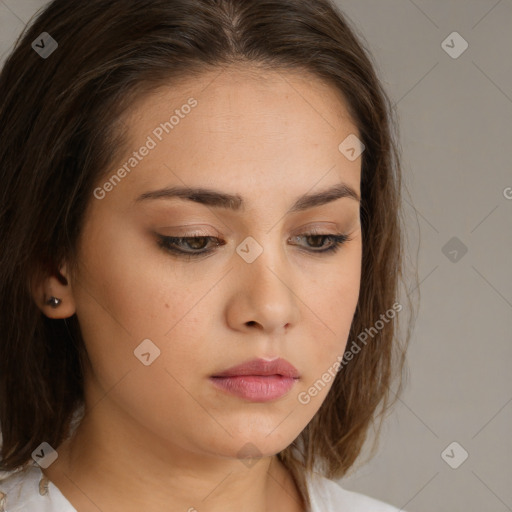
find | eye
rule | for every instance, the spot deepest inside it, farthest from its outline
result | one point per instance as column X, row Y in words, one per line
column 336, row 240
column 195, row 246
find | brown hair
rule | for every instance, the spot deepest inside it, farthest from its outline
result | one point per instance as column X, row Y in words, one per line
column 59, row 134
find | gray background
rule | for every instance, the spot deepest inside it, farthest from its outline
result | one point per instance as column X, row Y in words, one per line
column 456, row 125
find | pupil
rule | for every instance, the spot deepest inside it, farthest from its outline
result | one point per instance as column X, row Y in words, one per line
column 314, row 237
column 196, row 241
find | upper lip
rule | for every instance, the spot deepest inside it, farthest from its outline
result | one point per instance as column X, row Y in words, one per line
column 262, row 367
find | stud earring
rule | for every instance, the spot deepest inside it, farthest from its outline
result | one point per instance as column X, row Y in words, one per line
column 53, row 302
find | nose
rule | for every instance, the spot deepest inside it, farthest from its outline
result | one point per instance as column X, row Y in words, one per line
column 263, row 297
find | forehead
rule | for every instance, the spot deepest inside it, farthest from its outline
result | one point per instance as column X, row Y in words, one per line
column 248, row 129
column 236, row 97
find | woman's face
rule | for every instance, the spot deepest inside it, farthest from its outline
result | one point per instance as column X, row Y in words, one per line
column 268, row 139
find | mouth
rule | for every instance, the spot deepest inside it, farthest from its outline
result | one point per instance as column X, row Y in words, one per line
column 258, row 380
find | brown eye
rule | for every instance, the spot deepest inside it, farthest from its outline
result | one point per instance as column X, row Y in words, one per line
column 336, row 241
column 196, row 243
column 189, row 246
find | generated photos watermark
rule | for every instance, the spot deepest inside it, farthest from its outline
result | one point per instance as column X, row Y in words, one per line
column 304, row 397
column 158, row 133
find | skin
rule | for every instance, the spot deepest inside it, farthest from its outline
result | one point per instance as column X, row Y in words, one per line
column 161, row 437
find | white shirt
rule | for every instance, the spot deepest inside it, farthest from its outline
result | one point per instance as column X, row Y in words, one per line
column 30, row 490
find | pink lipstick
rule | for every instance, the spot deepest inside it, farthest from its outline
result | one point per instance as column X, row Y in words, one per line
column 258, row 380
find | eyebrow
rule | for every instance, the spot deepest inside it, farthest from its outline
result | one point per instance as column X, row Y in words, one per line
column 235, row 202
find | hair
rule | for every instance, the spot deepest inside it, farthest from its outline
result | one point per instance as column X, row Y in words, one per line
column 60, row 132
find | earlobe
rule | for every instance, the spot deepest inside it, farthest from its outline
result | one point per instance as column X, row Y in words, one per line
column 54, row 296
column 54, row 302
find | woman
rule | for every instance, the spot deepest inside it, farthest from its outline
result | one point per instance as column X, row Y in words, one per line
column 201, row 251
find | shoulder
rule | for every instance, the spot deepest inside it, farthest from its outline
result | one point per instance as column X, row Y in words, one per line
column 29, row 489
column 328, row 496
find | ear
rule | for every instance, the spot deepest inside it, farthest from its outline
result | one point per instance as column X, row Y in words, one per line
column 58, row 286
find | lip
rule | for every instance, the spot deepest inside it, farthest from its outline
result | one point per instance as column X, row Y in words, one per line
column 258, row 380
column 255, row 388
column 262, row 367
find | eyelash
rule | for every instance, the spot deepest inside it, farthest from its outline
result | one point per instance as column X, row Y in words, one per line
column 166, row 242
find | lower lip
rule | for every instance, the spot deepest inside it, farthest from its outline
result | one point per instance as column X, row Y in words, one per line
column 255, row 388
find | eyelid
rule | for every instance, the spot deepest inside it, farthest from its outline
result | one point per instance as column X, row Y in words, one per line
column 199, row 230
column 325, row 228
column 192, row 231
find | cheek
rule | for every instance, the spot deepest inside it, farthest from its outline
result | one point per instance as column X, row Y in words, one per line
column 128, row 291
column 332, row 304
column 135, row 286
